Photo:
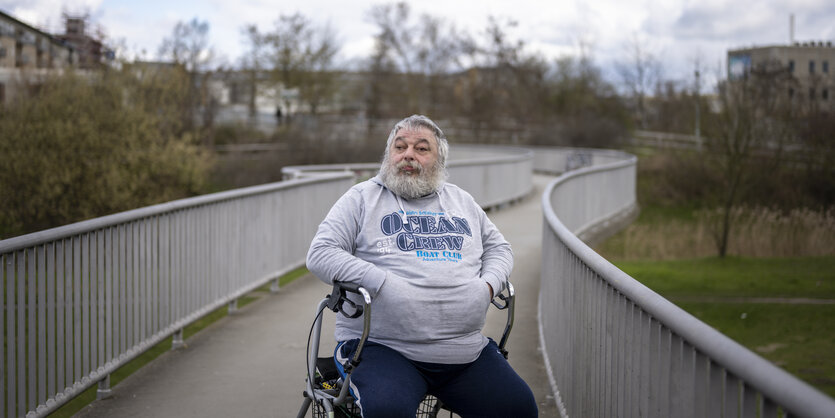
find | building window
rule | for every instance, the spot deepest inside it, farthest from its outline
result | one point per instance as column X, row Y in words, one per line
column 2, row 52
column 811, row 67
column 825, row 66
column 791, row 92
column 825, row 94
column 791, row 66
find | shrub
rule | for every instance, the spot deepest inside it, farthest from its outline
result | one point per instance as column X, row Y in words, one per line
column 86, row 146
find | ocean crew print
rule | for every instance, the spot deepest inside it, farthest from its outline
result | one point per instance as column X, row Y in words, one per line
column 430, row 235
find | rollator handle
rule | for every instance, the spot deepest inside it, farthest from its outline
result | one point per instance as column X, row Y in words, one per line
column 338, row 299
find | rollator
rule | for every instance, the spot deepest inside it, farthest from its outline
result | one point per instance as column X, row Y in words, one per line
column 327, row 391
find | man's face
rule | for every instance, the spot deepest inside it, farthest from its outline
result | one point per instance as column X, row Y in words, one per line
column 413, row 151
column 411, row 166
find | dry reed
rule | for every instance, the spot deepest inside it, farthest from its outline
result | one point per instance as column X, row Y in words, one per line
column 755, row 232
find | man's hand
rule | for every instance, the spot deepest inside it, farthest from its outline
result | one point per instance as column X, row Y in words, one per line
column 491, row 290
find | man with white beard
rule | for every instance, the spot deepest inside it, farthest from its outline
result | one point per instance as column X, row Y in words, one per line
column 432, row 261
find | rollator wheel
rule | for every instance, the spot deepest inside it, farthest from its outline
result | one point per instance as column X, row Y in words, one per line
column 429, row 407
column 350, row 410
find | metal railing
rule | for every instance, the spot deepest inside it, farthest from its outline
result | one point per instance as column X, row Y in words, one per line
column 667, row 140
column 613, row 347
column 82, row 300
column 493, row 175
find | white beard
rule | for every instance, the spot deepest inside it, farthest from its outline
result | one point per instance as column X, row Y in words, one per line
column 421, row 182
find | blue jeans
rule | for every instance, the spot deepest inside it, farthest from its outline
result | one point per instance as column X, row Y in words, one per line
column 386, row 384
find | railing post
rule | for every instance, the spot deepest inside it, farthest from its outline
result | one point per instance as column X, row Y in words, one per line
column 103, row 391
column 275, row 286
column 233, row 306
column 177, row 339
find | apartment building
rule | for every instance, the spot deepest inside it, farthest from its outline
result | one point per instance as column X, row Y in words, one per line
column 26, row 51
column 91, row 53
column 809, row 63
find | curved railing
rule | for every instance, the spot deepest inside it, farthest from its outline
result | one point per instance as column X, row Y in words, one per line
column 613, row 347
column 84, row 299
column 493, row 175
column 81, row 300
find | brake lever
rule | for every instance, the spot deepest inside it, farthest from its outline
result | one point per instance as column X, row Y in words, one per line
column 338, row 298
column 357, row 310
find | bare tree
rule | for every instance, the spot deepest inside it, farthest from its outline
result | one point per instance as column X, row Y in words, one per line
column 318, row 78
column 423, row 49
column 505, row 85
column 587, row 109
column 640, row 72
column 751, row 129
column 188, row 47
column 252, row 63
column 301, row 55
column 188, row 44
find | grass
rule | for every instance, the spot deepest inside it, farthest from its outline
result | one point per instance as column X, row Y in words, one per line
column 88, row 396
column 796, row 337
column 776, row 254
column 804, row 277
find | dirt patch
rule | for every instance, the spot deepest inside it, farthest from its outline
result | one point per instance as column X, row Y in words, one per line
column 770, row 348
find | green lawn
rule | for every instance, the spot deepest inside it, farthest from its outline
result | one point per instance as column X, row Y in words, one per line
column 797, row 337
column 806, row 277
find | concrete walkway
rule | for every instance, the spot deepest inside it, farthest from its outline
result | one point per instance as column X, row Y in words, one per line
column 251, row 363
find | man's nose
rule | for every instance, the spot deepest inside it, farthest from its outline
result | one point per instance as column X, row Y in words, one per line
column 409, row 154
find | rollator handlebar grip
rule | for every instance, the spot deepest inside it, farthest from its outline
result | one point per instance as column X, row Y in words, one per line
column 338, row 299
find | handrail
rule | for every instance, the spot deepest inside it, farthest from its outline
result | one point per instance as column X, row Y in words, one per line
column 82, row 300
column 613, row 347
column 493, row 174
column 23, row 241
column 107, row 289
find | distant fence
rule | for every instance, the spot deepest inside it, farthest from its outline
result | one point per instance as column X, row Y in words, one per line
column 493, row 175
column 667, row 140
column 615, row 348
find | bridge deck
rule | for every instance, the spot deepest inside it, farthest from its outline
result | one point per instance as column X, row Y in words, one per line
column 252, row 363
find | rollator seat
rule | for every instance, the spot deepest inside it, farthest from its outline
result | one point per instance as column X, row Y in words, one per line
column 326, row 369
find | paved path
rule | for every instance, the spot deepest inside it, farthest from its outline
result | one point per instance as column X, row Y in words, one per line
column 251, row 363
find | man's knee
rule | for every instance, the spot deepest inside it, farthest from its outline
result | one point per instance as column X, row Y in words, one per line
column 386, row 384
column 513, row 401
column 383, row 408
column 521, row 404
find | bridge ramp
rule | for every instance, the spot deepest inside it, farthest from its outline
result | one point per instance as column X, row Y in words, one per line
column 251, row 363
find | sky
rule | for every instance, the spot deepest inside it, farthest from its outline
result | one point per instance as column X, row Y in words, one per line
column 678, row 32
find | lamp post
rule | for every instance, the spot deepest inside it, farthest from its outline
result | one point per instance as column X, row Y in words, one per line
column 698, row 133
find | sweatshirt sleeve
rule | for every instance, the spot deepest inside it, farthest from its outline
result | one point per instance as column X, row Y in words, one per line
column 497, row 258
column 331, row 254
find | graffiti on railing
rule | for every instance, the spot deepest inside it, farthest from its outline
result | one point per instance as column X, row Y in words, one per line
column 578, row 159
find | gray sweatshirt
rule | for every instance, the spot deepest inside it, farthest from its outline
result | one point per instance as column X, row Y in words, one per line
column 425, row 262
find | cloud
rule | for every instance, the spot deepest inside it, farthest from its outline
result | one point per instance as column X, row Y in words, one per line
column 723, row 21
column 817, row 23
column 677, row 30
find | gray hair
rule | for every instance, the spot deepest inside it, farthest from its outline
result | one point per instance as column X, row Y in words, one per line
column 419, row 121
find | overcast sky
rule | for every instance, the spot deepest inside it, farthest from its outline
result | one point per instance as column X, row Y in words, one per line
column 677, row 31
